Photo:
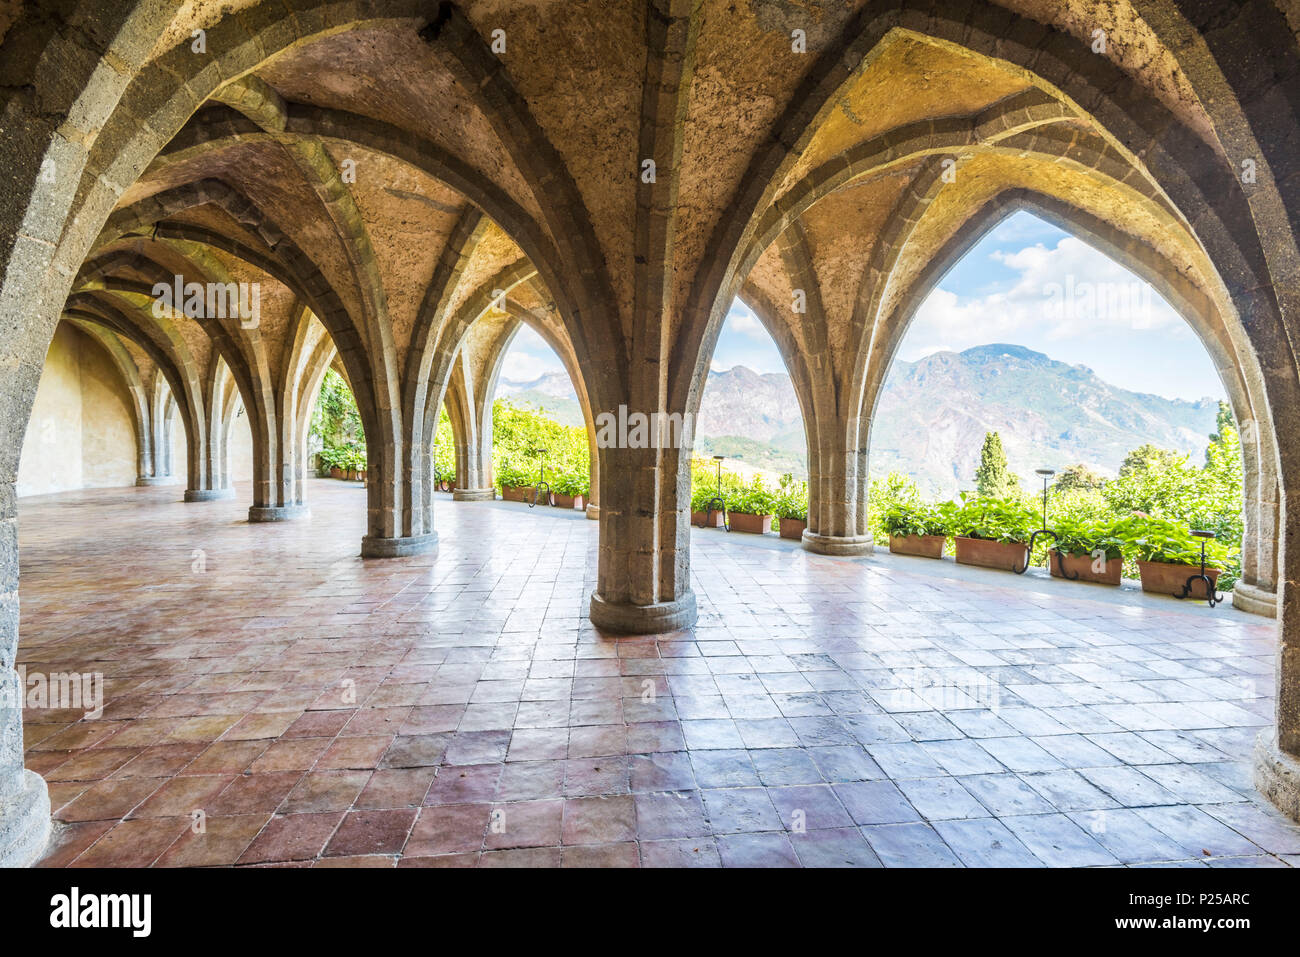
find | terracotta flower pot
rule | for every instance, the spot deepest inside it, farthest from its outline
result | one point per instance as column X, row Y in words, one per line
column 708, row 519
column 516, row 493
column 1008, row 556
column 566, row 501
column 1081, row 565
column 792, row 527
column 336, row 472
column 745, row 522
column 923, row 546
column 1162, row 578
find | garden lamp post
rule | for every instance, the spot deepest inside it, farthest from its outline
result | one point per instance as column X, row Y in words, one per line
column 1211, row 594
column 1029, row 549
column 717, row 503
column 541, row 478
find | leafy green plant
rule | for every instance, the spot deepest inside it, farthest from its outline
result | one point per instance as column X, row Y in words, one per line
column 790, row 501
column 1150, row 539
column 1086, row 536
column 993, row 519
column 572, row 484
column 752, row 499
column 513, row 475
column 902, row 519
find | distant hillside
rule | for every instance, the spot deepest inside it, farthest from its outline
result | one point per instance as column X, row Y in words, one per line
column 551, row 393
column 933, row 414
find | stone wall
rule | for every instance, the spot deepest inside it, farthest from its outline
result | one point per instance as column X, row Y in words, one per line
column 80, row 434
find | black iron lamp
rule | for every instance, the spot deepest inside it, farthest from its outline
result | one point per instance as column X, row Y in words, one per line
column 1029, row 549
column 717, row 503
column 541, row 479
column 1212, row 596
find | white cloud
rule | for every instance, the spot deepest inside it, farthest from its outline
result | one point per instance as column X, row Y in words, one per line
column 1061, row 292
column 520, row 366
column 743, row 321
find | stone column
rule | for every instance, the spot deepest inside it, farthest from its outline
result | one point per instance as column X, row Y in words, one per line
column 837, row 489
column 470, row 411
column 1256, row 590
column 1277, row 750
column 24, row 798
column 643, row 571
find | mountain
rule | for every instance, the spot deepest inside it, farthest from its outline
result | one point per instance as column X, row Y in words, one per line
column 933, row 414
column 551, row 393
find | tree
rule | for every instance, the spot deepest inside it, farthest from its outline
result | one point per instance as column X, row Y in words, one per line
column 1078, row 477
column 1148, row 457
column 993, row 477
column 1225, row 431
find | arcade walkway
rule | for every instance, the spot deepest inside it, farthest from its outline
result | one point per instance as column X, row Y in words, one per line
column 460, row 710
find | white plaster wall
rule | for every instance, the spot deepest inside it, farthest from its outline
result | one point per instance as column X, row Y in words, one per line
column 80, row 433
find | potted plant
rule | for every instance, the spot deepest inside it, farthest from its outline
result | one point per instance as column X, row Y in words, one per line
column 750, row 509
column 514, row 484
column 992, row 532
column 330, row 457
column 1087, row 550
column 1168, row 554
column 790, row 504
column 570, row 490
column 700, row 498
column 918, row 529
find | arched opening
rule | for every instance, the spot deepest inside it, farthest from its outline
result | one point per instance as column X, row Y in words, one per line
column 1135, row 422
column 538, row 428
column 750, row 453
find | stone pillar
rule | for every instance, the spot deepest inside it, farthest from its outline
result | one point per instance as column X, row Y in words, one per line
column 209, row 478
column 24, row 798
column 837, row 489
column 1277, row 751
column 470, row 413
column 1256, row 590
column 643, row 581
column 279, row 467
column 399, row 492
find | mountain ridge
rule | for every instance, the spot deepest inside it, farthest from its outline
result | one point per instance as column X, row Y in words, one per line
column 932, row 415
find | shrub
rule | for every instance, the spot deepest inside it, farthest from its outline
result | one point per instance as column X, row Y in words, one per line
column 902, row 519
column 513, row 475
column 572, row 484
column 752, row 499
column 1086, row 536
column 1150, row 539
column 993, row 519
column 791, row 499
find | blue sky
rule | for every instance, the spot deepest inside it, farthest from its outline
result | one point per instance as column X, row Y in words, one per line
column 1026, row 282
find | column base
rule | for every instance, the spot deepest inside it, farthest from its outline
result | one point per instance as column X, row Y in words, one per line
column 208, row 494
column 398, row 547
column 837, row 544
column 628, row 619
column 1277, row 774
column 145, row 480
column 1254, row 600
column 24, row 821
column 277, row 513
column 473, row 494
column 593, row 512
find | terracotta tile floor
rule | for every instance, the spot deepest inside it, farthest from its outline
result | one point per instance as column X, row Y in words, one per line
column 460, row 710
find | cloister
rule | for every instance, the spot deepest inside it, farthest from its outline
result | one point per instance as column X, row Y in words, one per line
column 407, row 184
